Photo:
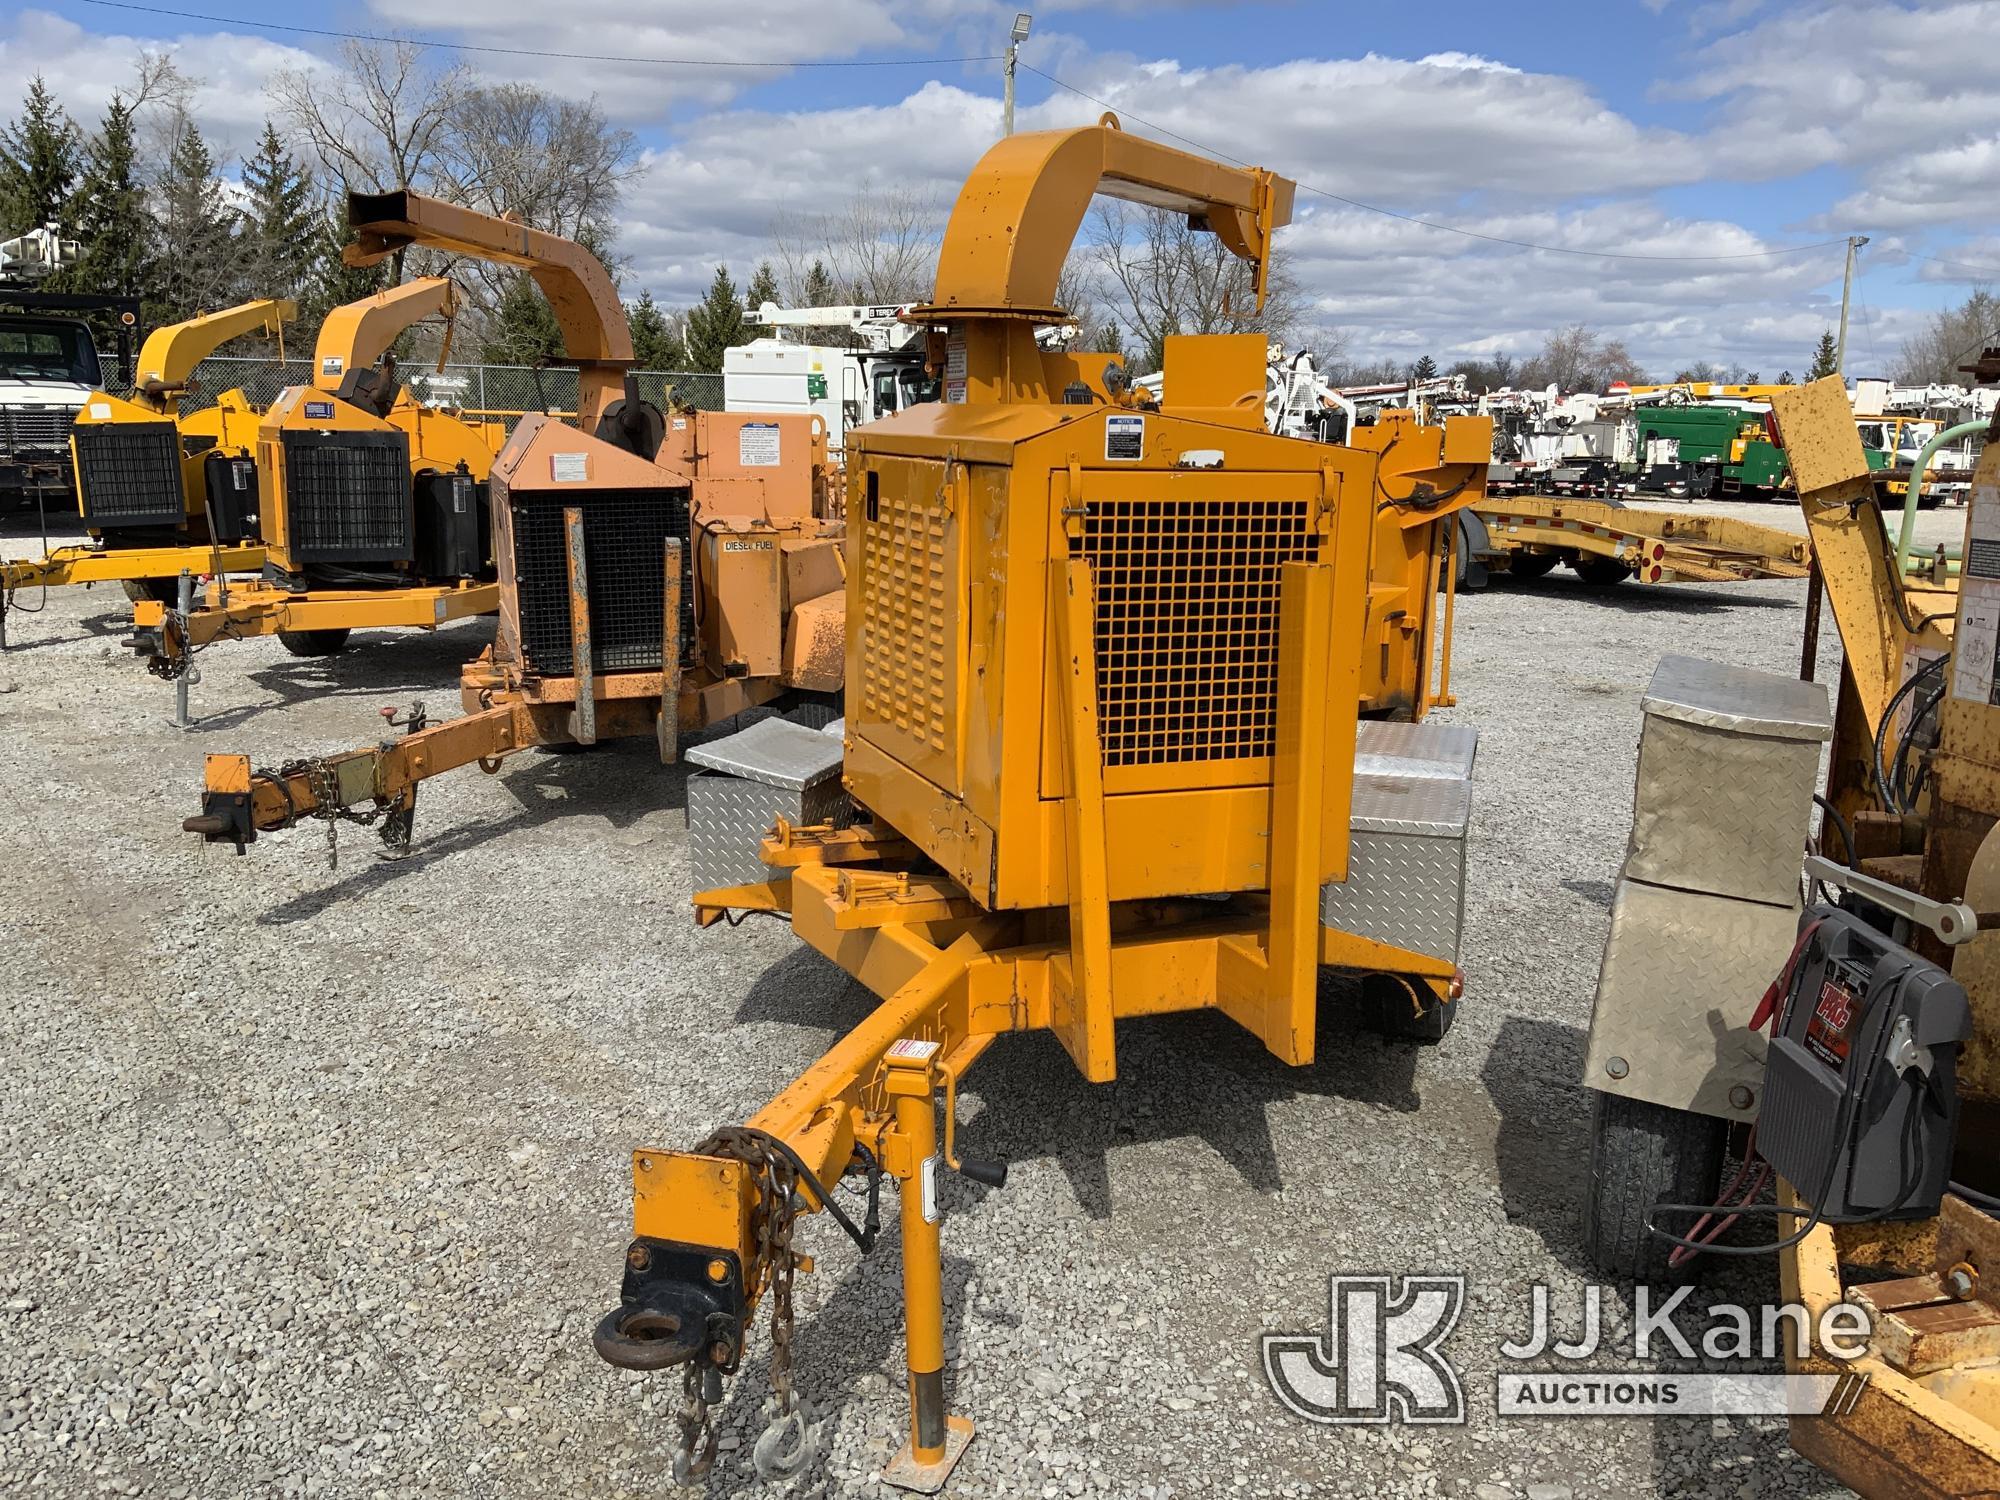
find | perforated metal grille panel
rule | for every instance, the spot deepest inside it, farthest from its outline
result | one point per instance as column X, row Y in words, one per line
column 1187, row 624
column 129, row 474
column 347, row 497
column 905, row 628
column 624, row 550
column 47, row 428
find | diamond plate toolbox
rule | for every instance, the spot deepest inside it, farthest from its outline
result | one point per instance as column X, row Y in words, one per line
column 1728, row 759
column 1682, row 973
column 1406, row 860
column 772, row 770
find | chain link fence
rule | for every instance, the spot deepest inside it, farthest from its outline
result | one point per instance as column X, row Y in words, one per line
column 503, row 391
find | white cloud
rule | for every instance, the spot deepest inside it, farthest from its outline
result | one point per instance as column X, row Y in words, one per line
column 83, row 69
column 1477, row 141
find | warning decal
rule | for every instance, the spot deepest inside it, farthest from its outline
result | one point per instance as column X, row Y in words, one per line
column 757, row 445
column 1124, row 438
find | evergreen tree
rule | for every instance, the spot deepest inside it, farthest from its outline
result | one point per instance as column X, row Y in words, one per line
column 39, row 158
column 654, row 343
column 1825, row 357
column 763, row 288
column 525, row 330
column 330, row 283
column 279, row 223
column 1109, row 338
column 818, row 291
column 197, row 233
column 714, row 324
column 1785, row 378
column 1424, row 369
column 111, row 215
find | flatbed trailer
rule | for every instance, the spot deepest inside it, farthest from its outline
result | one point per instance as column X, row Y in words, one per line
column 1606, row 542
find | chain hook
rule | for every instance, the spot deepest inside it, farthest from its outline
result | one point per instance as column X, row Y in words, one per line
column 785, row 1447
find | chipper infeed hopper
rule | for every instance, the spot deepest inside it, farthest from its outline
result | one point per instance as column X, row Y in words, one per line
column 1107, row 663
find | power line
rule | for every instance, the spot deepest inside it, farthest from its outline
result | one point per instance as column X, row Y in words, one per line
column 1963, row 265
column 1390, row 213
column 672, row 62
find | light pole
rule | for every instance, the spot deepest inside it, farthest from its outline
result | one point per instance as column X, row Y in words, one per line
column 1854, row 243
column 1018, row 35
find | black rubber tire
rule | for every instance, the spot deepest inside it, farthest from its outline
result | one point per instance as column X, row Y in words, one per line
column 165, row 591
column 1642, row 1154
column 1601, row 571
column 314, row 642
column 1387, row 1011
column 1533, row 564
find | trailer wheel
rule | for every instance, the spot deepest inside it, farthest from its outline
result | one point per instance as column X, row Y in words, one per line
column 1388, row 1007
column 1533, row 564
column 1601, row 570
column 1642, row 1154
column 165, row 591
column 314, row 642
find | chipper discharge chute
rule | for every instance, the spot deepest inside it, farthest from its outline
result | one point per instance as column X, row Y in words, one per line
column 162, row 493
column 372, row 507
column 1105, row 755
column 655, row 573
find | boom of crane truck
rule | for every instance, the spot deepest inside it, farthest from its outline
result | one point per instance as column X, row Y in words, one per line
column 883, row 367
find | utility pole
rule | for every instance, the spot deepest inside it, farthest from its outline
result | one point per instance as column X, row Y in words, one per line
column 1022, row 21
column 1854, row 243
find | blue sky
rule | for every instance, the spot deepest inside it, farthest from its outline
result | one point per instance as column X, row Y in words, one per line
column 1721, row 128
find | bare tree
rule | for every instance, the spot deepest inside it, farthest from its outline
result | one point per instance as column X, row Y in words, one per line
column 379, row 121
column 880, row 246
column 1954, row 336
column 1165, row 277
column 515, row 149
column 1575, row 358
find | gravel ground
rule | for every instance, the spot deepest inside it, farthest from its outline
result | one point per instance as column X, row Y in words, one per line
column 315, row 1182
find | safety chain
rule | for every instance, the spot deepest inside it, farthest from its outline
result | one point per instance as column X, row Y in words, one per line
column 324, row 782
column 784, row 1448
column 171, row 665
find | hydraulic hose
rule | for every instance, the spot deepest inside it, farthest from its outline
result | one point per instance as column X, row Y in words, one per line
column 1915, row 492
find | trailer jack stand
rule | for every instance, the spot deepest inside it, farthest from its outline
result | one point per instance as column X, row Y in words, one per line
column 937, row 1441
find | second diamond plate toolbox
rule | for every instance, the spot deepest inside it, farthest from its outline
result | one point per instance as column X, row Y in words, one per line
column 774, row 769
column 1728, row 760
column 1406, row 858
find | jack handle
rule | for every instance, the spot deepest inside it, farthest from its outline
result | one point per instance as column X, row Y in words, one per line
column 992, row 1174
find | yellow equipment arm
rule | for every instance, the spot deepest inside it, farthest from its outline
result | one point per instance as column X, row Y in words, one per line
column 353, row 337
column 1020, row 210
column 169, row 355
column 1881, row 616
column 578, row 287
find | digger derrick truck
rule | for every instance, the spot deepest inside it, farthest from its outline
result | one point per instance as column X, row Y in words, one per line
column 1106, row 755
column 656, row 573
column 162, row 492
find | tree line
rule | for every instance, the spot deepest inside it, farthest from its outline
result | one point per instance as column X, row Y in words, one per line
column 160, row 216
